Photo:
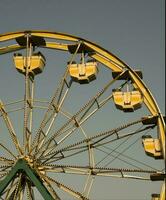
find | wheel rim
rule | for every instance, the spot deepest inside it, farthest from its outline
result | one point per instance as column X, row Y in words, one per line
column 48, row 162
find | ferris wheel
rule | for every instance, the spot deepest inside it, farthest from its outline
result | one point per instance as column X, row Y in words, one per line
column 100, row 123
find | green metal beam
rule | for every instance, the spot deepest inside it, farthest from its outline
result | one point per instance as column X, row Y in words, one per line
column 22, row 167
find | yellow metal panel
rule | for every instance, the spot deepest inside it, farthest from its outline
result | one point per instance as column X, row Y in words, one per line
column 10, row 36
column 161, row 126
column 47, row 34
column 54, row 35
column 162, row 193
column 136, row 97
column 19, row 63
column 53, row 45
column 106, row 54
column 118, row 98
column 106, row 62
column 10, row 48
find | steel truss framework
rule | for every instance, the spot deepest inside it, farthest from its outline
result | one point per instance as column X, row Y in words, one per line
column 40, row 153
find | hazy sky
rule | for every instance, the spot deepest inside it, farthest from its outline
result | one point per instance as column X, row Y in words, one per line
column 131, row 29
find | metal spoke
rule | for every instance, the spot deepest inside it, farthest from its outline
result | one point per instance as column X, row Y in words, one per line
column 51, row 119
column 4, row 174
column 10, row 189
column 3, row 168
column 9, row 152
column 86, row 147
column 13, row 102
column 28, row 98
column 99, row 171
column 102, row 136
column 56, row 103
column 122, row 136
column 29, row 191
column 75, row 122
column 48, row 184
column 10, row 129
column 6, row 160
column 14, row 110
column 31, row 102
column 65, row 188
column 17, row 188
column 88, row 184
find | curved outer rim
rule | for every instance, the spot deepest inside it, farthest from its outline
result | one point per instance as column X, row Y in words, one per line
column 101, row 55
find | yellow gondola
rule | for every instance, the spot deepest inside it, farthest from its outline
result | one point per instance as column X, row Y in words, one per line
column 127, row 101
column 35, row 63
column 84, row 72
